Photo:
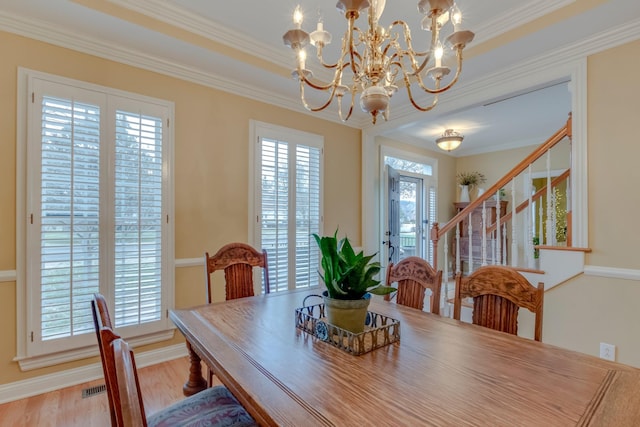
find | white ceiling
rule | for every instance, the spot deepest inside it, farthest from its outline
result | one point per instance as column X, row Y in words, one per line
column 237, row 46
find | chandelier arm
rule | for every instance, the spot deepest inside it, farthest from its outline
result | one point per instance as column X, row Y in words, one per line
column 350, row 108
column 332, row 85
column 309, row 107
column 321, row 59
column 352, row 50
column 414, row 103
column 343, row 53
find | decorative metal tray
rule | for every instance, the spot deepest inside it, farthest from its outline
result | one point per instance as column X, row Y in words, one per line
column 379, row 330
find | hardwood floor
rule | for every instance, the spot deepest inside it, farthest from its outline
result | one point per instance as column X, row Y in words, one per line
column 161, row 385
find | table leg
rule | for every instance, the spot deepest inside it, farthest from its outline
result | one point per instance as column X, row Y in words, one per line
column 196, row 381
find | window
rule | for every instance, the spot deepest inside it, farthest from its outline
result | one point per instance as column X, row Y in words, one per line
column 98, row 207
column 287, row 199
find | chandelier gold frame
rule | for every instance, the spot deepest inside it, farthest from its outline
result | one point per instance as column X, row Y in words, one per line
column 376, row 61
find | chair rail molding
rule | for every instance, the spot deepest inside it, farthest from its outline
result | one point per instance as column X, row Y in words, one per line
column 8, row 276
column 612, row 272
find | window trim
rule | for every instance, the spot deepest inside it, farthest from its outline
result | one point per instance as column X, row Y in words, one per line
column 26, row 359
column 258, row 129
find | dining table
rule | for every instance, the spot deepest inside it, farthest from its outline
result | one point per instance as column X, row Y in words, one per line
column 441, row 371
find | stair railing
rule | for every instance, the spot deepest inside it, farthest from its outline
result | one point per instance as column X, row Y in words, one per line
column 498, row 248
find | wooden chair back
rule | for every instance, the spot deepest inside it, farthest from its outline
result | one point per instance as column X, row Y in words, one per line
column 237, row 260
column 101, row 320
column 414, row 276
column 127, row 392
column 498, row 293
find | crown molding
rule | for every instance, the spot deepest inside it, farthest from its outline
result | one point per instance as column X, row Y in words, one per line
column 517, row 17
column 547, row 66
column 45, row 32
column 174, row 15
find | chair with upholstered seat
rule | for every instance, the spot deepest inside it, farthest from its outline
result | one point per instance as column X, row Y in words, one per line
column 498, row 293
column 414, row 276
column 214, row 406
column 237, row 260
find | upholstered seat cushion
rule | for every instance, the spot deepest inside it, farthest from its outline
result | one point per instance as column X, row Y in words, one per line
column 213, row 407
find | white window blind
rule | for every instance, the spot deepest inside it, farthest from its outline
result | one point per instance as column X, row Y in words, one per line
column 138, row 218
column 69, row 216
column 98, row 178
column 289, row 205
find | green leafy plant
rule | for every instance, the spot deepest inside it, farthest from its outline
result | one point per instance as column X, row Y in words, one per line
column 536, row 252
column 471, row 179
column 348, row 275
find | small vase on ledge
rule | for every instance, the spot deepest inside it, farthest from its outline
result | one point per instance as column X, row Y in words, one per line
column 464, row 193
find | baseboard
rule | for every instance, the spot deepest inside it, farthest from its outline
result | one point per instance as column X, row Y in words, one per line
column 46, row 383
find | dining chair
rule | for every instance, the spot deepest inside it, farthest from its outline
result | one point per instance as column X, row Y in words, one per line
column 215, row 406
column 498, row 293
column 414, row 276
column 237, row 260
column 101, row 320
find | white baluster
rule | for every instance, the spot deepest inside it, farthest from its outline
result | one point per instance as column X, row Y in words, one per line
column 470, row 242
column 446, row 274
column 554, row 217
column 540, row 217
column 514, row 228
column 498, row 230
column 458, row 248
column 484, row 233
column 504, row 244
column 530, row 228
column 549, row 221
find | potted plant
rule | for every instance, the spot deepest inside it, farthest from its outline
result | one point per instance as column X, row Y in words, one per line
column 349, row 279
column 467, row 181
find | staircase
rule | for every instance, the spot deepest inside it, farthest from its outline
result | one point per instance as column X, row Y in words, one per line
column 534, row 235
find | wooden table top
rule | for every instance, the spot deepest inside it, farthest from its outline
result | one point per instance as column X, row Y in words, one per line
column 442, row 372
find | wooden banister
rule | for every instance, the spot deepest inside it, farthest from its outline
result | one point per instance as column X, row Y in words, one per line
column 518, row 169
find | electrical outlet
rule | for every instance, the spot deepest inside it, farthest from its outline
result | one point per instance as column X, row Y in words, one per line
column 608, row 351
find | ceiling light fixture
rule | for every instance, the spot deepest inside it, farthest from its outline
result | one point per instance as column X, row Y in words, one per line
column 373, row 61
column 450, row 140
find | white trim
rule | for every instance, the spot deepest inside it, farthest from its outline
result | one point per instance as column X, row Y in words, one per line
column 189, row 262
column 8, row 276
column 45, row 32
column 42, row 361
column 196, row 24
column 46, row 383
column 579, row 153
column 612, row 272
column 516, row 18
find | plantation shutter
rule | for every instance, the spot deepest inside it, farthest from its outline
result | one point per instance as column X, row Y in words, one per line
column 307, row 213
column 98, row 200
column 138, row 218
column 289, row 205
column 69, row 216
column 275, row 211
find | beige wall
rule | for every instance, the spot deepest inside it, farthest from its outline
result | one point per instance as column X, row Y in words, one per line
column 211, row 168
column 589, row 310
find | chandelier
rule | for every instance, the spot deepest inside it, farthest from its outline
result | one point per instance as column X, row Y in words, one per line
column 450, row 140
column 375, row 61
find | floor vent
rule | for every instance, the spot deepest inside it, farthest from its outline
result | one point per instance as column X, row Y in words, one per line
column 92, row 391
